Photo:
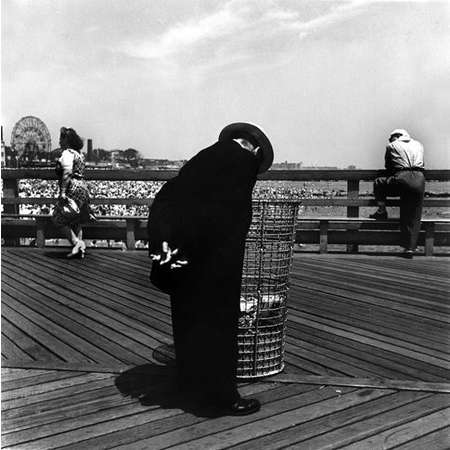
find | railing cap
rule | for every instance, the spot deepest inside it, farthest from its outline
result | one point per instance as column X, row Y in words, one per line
column 164, row 175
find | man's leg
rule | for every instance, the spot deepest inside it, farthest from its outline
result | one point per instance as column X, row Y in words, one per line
column 411, row 209
column 380, row 192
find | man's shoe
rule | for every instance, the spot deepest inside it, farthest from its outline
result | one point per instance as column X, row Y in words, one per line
column 243, row 407
column 378, row 215
column 409, row 254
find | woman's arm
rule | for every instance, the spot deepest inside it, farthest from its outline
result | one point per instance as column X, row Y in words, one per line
column 66, row 164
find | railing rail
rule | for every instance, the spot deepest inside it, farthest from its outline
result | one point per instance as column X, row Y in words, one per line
column 135, row 228
column 164, row 175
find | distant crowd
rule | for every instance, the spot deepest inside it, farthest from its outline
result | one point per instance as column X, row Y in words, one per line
column 147, row 190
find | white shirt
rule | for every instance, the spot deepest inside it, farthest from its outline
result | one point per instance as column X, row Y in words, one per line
column 402, row 154
column 66, row 160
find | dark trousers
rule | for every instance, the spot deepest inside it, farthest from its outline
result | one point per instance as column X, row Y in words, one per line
column 205, row 338
column 410, row 186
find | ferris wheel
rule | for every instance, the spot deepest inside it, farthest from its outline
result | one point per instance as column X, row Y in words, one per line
column 30, row 135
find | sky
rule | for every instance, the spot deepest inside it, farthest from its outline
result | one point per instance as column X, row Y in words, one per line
column 326, row 80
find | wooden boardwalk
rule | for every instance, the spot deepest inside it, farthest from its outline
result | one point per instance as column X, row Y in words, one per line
column 84, row 344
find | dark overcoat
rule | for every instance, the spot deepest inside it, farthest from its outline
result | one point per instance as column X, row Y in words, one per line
column 205, row 212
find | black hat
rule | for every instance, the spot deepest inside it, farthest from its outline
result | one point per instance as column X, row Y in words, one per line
column 255, row 135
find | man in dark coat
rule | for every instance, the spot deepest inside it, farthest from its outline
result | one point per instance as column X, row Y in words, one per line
column 404, row 177
column 197, row 228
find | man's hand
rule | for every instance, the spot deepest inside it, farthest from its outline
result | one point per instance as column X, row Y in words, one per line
column 167, row 256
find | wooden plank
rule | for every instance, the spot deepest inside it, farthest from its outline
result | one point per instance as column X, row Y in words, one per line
column 117, row 304
column 101, row 349
column 93, row 277
column 61, row 382
column 398, row 323
column 416, row 306
column 23, row 406
column 330, row 364
column 362, row 268
column 91, row 391
column 62, row 366
column 428, row 330
column 388, row 302
column 437, row 302
column 131, row 432
column 11, row 351
column 109, row 335
column 76, row 430
column 14, row 374
column 388, row 362
column 382, row 323
column 333, row 421
column 436, row 440
column 400, row 434
column 35, row 380
column 307, row 366
column 430, row 346
column 336, row 360
column 375, row 383
column 77, row 406
column 373, row 339
column 197, row 435
column 371, row 424
column 60, row 349
column 101, row 311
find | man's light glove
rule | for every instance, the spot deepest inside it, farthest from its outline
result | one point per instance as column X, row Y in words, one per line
column 167, row 256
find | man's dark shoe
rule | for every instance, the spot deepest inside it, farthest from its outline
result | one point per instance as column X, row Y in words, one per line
column 377, row 215
column 243, row 407
column 408, row 254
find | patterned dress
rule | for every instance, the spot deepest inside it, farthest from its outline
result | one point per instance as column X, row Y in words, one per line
column 76, row 190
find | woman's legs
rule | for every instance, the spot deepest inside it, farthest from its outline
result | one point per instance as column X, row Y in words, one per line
column 75, row 237
column 70, row 235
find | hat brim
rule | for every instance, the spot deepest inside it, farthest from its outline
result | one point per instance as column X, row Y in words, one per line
column 243, row 130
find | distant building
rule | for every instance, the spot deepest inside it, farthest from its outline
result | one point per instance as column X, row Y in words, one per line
column 287, row 166
column 320, row 168
column 162, row 164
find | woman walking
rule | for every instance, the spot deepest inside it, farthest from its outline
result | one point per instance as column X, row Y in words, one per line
column 73, row 208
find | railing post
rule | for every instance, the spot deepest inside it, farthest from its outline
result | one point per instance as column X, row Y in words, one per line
column 131, row 240
column 323, row 226
column 352, row 211
column 40, row 232
column 11, row 189
column 429, row 239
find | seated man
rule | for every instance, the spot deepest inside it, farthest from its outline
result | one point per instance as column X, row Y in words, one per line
column 404, row 177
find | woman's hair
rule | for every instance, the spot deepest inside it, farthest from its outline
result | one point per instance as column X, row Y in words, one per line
column 73, row 140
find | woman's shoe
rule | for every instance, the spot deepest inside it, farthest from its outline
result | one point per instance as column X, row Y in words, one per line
column 82, row 250
column 77, row 250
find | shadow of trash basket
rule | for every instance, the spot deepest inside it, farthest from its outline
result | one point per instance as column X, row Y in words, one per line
column 265, row 282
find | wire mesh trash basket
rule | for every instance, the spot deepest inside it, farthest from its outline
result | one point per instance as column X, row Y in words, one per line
column 265, row 282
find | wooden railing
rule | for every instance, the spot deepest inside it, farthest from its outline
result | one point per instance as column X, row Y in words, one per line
column 352, row 232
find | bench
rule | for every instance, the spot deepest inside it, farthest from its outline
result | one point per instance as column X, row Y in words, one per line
column 40, row 227
column 365, row 231
column 353, row 231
